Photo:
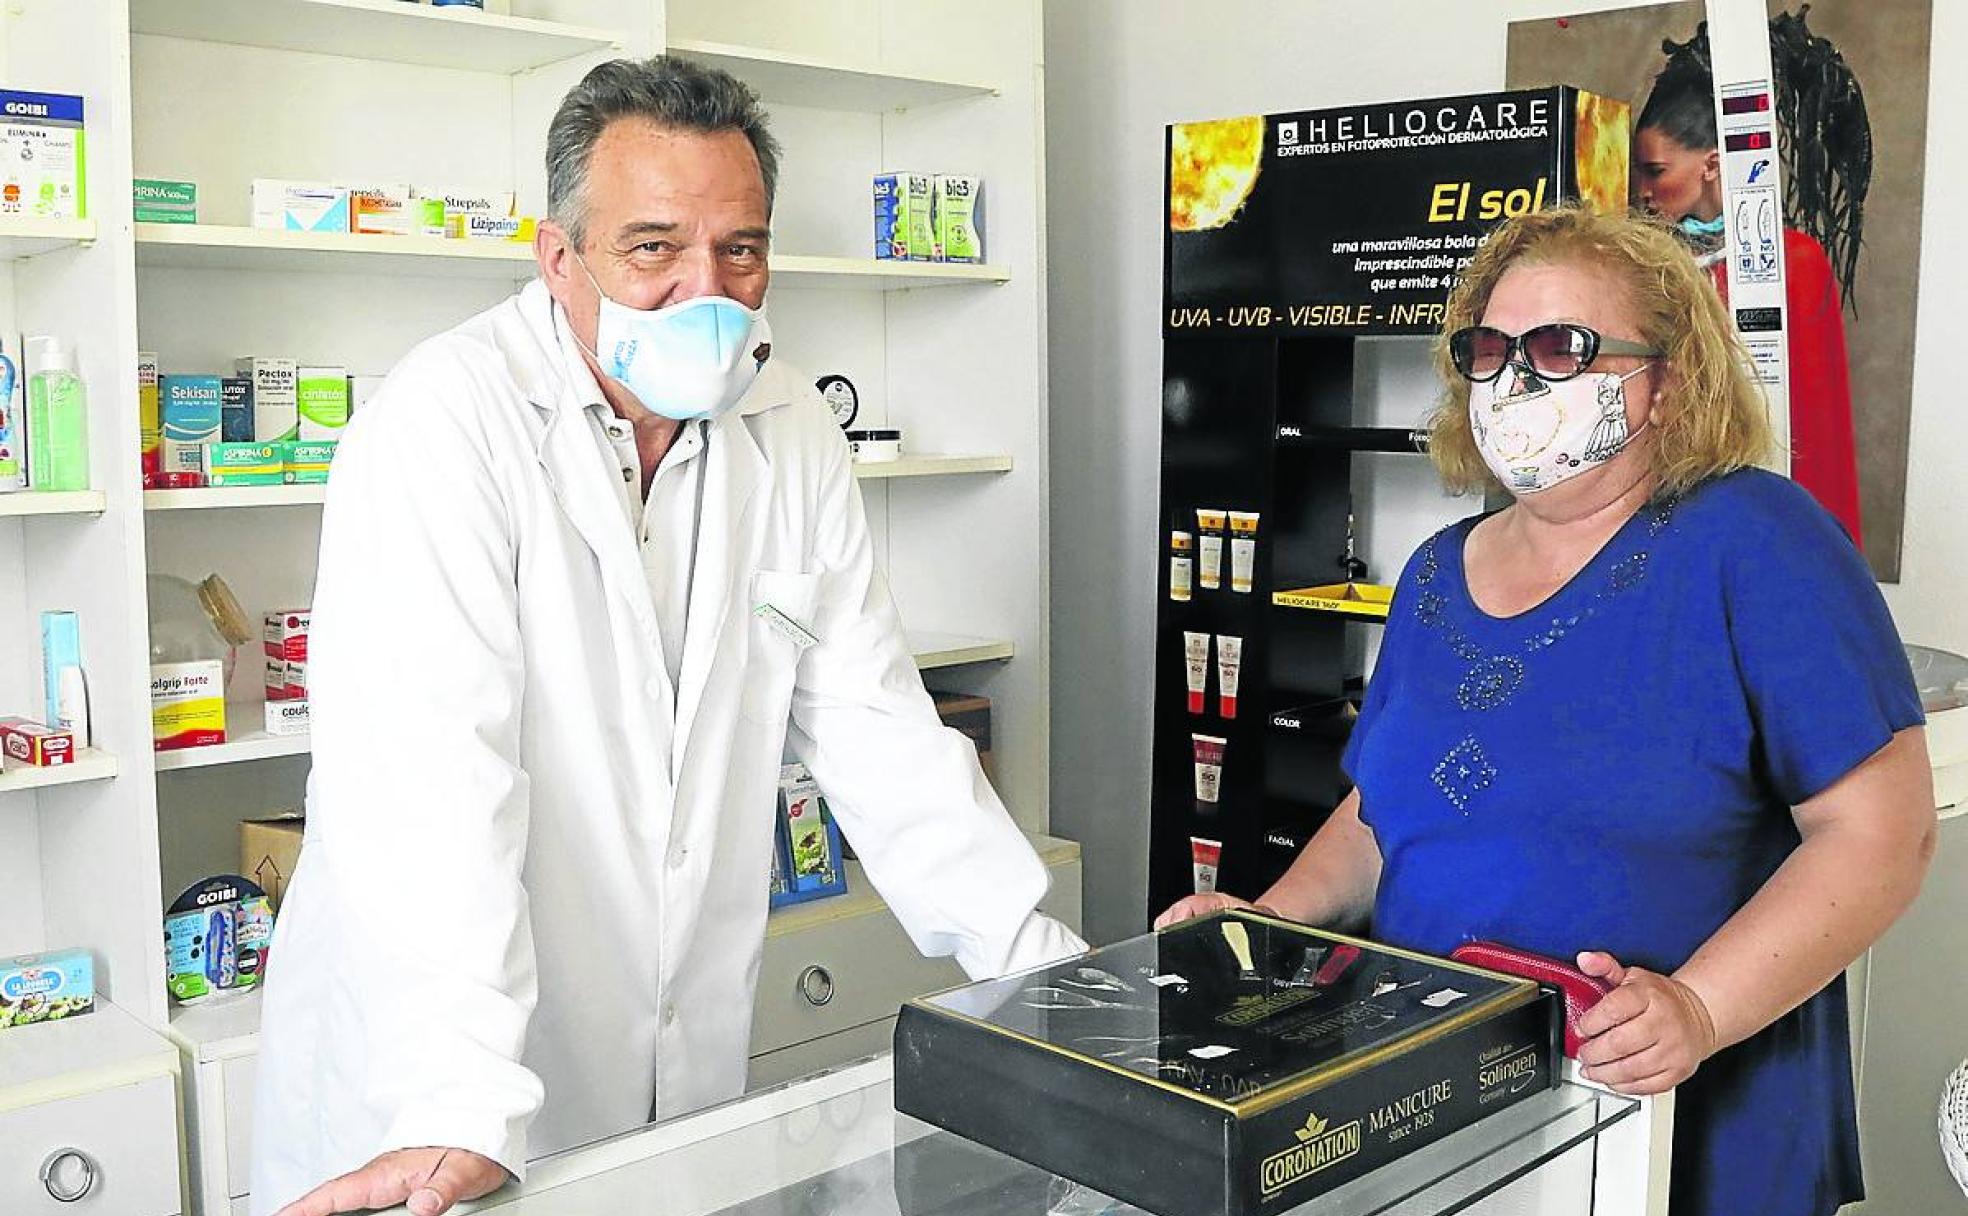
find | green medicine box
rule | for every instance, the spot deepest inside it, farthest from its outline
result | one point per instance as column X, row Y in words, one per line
column 165, row 202
column 305, row 461
column 243, row 464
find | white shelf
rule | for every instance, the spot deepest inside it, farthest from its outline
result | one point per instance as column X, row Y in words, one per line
column 25, row 236
column 77, row 1055
column 228, row 247
column 863, row 274
column 931, row 466
column 246, row 739
column 802, row 80
column 220, row 1028
column 934, row 650
column 49, row 502
column 88, row 765
column 235, row 496
column 388, row 30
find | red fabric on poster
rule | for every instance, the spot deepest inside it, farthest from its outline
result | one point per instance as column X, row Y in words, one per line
column 1823, row 454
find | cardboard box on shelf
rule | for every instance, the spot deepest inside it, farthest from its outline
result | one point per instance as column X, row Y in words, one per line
column 269, row 849
column 970, row 716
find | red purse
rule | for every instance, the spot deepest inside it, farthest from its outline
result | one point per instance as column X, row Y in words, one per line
column 1581, row 991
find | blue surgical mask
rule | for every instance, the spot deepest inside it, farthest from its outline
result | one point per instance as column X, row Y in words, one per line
column 1704, row 228
column 685, row 361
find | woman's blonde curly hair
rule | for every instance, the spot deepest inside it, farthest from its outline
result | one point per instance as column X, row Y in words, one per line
column 1710, row 416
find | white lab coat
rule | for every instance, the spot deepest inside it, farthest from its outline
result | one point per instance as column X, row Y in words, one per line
column 531, row 903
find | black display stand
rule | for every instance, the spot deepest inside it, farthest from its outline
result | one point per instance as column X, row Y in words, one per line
column 1351, row 223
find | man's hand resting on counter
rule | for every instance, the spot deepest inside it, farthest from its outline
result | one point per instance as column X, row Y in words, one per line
column 426, row 1180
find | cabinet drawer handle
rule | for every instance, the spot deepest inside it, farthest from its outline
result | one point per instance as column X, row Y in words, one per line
column 69, row 1174
column 816, row 985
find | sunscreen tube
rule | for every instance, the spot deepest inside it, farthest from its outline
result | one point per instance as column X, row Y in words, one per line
column 1243, row 549
column 1229, row 659
column 1204, row 857
column 1182, row 566
column 1195, row 656
column 1210, row 524
column 1209, row 766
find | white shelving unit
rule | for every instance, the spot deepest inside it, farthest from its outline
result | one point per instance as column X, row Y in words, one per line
column 89, row 765
column 247, row 742
column 931, row 466
column 218, row 498
column 826, row 84
column 27, row 236
column 220, row 92
column 50, row 502
column 211, row 499
column 387, row 30
column 231, row 247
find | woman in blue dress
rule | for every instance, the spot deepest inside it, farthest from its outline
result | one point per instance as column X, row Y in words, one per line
column 1652, row 716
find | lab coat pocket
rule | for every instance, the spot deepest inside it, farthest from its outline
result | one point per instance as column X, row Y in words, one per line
column 781, row 617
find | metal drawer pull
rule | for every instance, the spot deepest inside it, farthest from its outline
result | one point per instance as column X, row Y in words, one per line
column 816, row 985
column 69, row 1174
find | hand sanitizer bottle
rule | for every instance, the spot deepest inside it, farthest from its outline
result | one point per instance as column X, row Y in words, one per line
column 57, row 418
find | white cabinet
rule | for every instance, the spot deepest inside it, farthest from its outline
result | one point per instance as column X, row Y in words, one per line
column 89, row 1118
column 112, row 1151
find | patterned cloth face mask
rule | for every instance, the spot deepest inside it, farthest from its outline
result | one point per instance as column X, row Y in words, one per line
column 1535, row 434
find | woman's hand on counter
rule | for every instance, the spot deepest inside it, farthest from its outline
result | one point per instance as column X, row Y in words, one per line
column 1189, row 907
column 426, row 1180
column 1648, row 1034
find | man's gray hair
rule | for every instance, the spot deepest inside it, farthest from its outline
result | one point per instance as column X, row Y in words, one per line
column 668, row 91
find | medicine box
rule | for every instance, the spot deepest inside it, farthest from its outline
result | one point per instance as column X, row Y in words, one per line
column 903, row 221
column 300, row 206
column 42, row 153
column 187, row 704
column 515, row 228
column 47, row 987
column 235, row 409
column 286, row 680
column 379, row 210
column 243, row 464
column 35, row 744
column 284, row 718
column 448, row 212
column 322, row 396
column 958, row 213
column 193, row 409
column 305, row 463
column 276, row 410
column 165, row 202
column 286, row 635
column 150, row 424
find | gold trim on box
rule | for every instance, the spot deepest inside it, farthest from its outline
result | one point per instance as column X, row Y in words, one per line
column 1520, row 992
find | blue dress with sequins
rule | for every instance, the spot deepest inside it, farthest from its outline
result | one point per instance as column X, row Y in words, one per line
column 1613, row 770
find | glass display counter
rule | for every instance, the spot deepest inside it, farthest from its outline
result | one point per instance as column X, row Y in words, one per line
column 833, row 1145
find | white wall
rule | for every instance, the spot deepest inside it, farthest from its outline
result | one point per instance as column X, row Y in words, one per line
column 1117, row 72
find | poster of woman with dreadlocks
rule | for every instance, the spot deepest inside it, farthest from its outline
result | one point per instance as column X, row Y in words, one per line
column 1851, row 95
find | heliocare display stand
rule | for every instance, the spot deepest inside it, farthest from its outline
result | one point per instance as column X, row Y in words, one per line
column 833, row 1145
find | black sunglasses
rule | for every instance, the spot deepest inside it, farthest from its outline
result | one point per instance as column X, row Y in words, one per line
column 1557, row 351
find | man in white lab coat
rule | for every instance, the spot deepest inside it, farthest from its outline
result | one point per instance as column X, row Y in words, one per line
column 583, row 559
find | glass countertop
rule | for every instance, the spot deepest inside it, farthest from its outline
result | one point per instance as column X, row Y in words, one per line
column 833, row 1145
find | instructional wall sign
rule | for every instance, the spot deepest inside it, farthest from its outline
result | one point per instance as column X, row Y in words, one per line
column 1360, row 220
